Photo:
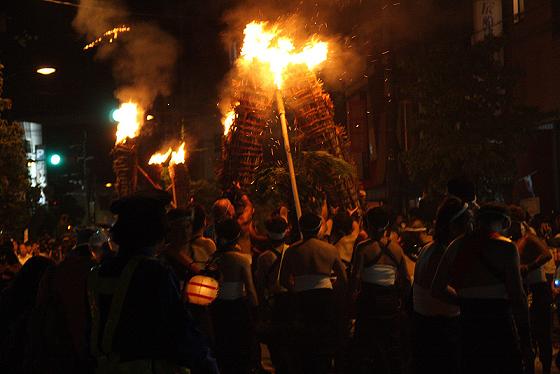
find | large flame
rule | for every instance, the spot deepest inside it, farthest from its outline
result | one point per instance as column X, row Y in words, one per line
column 178, row 157
column 174, row 157
column 264, row 44
column 159, row 158
column 129, row 117
column 229, row 118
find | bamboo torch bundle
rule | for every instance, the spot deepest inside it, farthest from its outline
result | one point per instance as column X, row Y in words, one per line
column 180, row 177
column 314, row 112
column 243, row 145
column 124, row 166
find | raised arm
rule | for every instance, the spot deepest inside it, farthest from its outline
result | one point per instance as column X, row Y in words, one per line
column 247, row 214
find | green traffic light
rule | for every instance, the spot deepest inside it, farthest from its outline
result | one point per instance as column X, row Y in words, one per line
column 55, row 159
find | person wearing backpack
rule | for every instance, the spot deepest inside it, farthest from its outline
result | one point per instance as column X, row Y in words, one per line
column 382, row 282
column 139, row 322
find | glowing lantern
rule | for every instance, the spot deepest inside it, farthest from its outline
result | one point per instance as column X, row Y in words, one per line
column 202, row 290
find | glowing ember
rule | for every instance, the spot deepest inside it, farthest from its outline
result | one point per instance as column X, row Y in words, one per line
column 174, row 157
column 264, row 44
column 228, row 119
column 129, row 116
column 110, row 34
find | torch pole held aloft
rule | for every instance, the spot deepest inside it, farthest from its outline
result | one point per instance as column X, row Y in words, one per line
column 171, row 170
column 283, row 122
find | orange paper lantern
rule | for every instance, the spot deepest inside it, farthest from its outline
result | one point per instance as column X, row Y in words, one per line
column 202, row 290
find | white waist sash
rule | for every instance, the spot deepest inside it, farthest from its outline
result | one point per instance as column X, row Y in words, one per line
column 379, row 274
column 312, row 282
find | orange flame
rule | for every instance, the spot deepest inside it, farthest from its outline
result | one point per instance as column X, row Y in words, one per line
column 159, row 158
column 228, row 119
column 174, row 157
column 178, row 157
column 264, row 44
column 129, row 117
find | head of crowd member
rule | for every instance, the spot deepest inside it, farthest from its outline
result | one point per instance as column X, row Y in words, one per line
column 462, row 188
column 23, row 250
column 414, row 237
column 518, row 228
column 541, row 223
column 377, row 222
column 82, row 247
column 141, row 221
column 276, row 231
column 222, row 209
column 26, row 282
column 99, row 244
column 228, row 232
column 343, row 224
column 7, row 254
column 179, row 226
column 452, row 220
column 310, row 225
column 493, row 218
column 199, row 219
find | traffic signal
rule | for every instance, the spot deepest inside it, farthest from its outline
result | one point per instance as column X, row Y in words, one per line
column 55, row 159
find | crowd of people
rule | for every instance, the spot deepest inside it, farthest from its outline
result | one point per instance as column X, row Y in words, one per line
column 336, row 291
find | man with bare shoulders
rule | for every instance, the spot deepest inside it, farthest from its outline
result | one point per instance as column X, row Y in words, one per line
column 201, row 248
column 480, row 273
column 534, row 254
column 223, row 209
column 232, row 311
column 381, row 276
column 307, row 269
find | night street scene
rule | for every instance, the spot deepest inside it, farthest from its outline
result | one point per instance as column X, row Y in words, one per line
column 280, row 186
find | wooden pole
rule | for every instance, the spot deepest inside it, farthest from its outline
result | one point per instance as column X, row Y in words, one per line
column 143, row 172
column 283, row 122
column 171, row 170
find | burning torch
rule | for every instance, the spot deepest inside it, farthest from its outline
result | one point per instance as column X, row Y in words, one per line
column 125, row 159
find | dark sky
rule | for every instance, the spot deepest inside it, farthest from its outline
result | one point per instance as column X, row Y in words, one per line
column 79, row 96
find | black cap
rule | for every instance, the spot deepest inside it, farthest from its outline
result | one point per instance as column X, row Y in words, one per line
column 309, row 223
column 141, row 218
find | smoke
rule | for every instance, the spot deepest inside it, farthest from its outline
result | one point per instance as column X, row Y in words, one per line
column 359, row 32
column 143, row 59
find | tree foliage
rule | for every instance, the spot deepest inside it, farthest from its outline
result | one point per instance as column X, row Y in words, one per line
column 314, row 171
column 467, row 121
column 14, row 181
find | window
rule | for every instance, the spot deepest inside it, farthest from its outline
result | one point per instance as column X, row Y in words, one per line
column 518, row 10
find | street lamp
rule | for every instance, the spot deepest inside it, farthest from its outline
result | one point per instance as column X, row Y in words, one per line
column 47, row 70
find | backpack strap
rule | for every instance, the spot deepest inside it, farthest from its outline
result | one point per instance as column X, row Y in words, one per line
column 387, row 252
column 118, row 287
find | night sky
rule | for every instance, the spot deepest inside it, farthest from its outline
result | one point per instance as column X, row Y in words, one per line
column 79, row 96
